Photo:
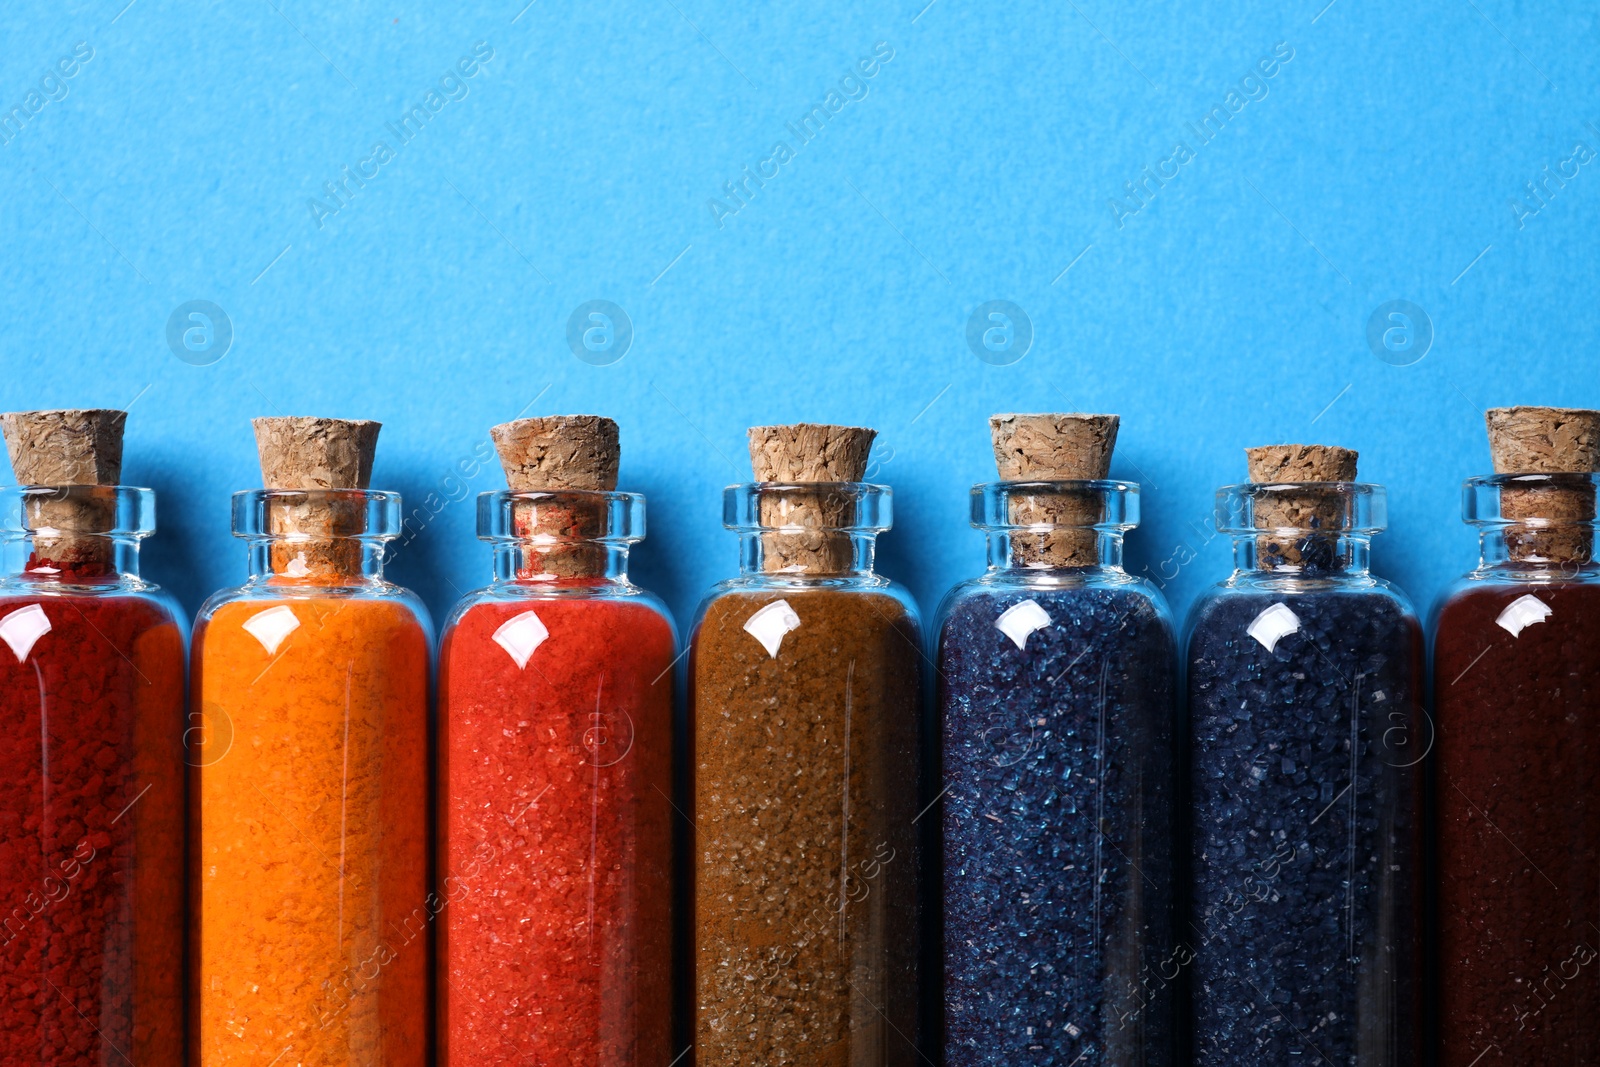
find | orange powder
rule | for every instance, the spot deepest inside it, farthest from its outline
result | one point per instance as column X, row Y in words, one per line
column 311, row 914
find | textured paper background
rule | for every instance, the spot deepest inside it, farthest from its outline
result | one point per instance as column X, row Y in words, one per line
column 1379, row 163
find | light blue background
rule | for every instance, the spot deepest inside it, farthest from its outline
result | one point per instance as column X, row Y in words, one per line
column 1231, row 310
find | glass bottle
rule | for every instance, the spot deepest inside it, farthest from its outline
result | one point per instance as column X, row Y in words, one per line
column 1057, row 675
column 310, row 911
column 91, row 784
column 1517, row 696
column 556, row 819
column 804, row 721
column 1306, row 746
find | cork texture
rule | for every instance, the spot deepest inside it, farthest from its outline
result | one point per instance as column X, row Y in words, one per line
column 1545, row 440
column 557, row 453
column 1539, row 440
column 804, row 453
column 316, row 454
column 810, row 452
column 1053, row 448
column 1271, row 464
column 69, row 447
column 1308, row 511
column 76, row 446
column 1047, row 448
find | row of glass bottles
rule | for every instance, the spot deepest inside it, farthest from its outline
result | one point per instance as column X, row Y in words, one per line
column 311, row 908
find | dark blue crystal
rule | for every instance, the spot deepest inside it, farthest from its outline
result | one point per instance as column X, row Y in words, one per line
column 1305, row 775
column 1058, row 824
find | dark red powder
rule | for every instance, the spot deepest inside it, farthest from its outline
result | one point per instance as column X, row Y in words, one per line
column 555, row 945
column 70, row 568
column 91, row 831
column 1519, row 826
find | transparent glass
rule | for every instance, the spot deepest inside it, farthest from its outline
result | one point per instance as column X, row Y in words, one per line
column 310, row 911
column 805, row 694
column 1516, row 682
column 556, row 819
column 91, row 784
column 1056, row 687
column 1307, row 739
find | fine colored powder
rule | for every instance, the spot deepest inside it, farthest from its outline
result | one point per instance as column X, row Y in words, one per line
column 311, row 914
column 91, row 832
column 1519, row 825
column 1305, row 928
column 556, row 825
column 1058, row 824
column 804, row 761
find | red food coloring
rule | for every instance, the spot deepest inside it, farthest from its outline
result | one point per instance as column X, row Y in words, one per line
column 556, row 828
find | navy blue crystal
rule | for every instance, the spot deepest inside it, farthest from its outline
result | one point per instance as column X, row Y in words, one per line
column 1058, row 823
column 1306, row 742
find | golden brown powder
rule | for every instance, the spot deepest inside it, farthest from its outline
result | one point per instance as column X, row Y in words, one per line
column 804, row 863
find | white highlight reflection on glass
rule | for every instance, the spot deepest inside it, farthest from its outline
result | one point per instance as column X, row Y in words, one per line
column 770, row 624
column 270, row 627
column 1521, row 613
column 1020, row 620
column 1273, row 625
column 520, row 636
column 22, row 628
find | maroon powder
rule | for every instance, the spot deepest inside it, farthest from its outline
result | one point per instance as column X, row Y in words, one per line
column 1519, row 826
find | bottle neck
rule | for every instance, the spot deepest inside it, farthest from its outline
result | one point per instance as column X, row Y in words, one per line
column 86, row 536
column 1055, row 526
column 811, row 553
column 570, row 536
column 1032, row 551
column 313, row 560
column 1540, row 523
column 316, row 537
column 808, row 529
column 79, row 559
column 1538, row 548
column 1302, row 530
column 1303, row 554
column 531, row 561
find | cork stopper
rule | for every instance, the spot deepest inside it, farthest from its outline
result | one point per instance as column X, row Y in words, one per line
column 71, row 447
column 76, row 446
column 804, row 453
column 551, row 454
column 1054, row 448
column 1550, row 522
column 559, row 452
column 810, row 452
column 312, row 453
column 1309, row 511
column 316, row 454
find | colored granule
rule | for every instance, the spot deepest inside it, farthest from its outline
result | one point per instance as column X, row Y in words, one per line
column 309, row 843
column 1059, row 792
column 1517, row 697
column 91, row 832
column 804, row 864
column 556, row 828
column 1306, row 756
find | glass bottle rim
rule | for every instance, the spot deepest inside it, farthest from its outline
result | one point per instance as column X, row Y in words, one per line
column 869, row 505
column 1481, row 496
column 380, row 510
column 1363, row 507
column 990, row 503
column 624, row 512
column 134, row 509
